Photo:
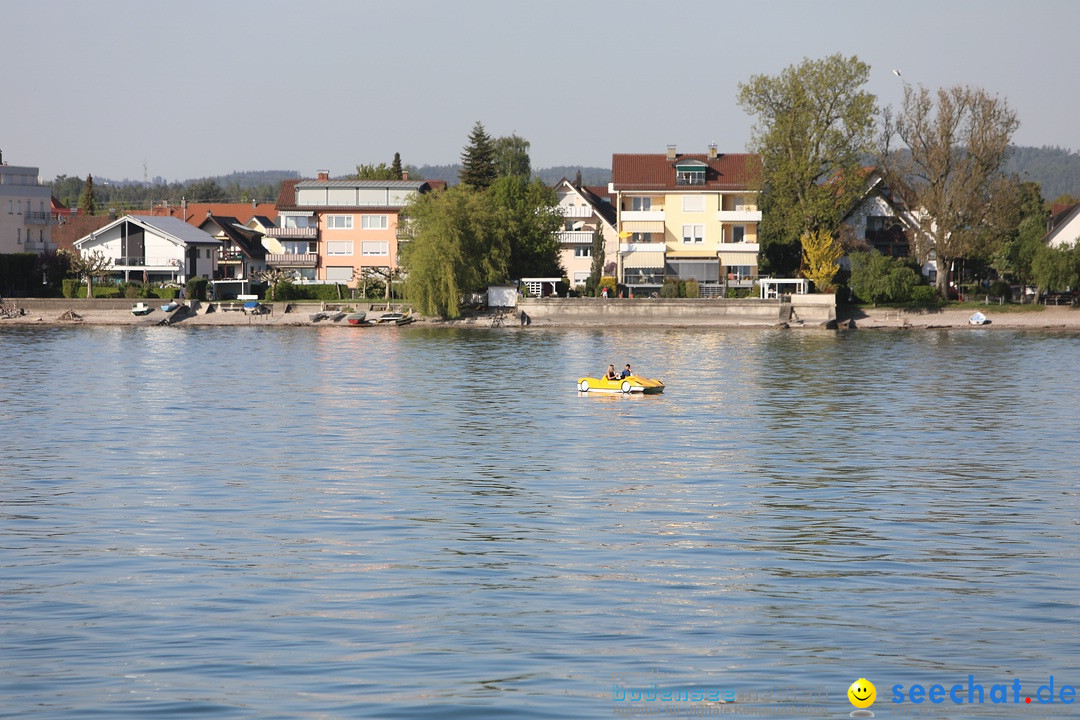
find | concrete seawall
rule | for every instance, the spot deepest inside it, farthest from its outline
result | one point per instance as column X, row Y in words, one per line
column 807, row 309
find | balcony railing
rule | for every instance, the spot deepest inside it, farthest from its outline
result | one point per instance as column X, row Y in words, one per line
column 292, row 232
column 39, row 246
column 307, row 260
column 576, row 211
column 37, row 218
column 230, row 256
column 575, row 237
column 642, row 215
column 739, row 216
column 146, row 262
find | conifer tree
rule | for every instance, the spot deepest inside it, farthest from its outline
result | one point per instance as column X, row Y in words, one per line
column 395, row 166
column 478, row 159
column 87, row 204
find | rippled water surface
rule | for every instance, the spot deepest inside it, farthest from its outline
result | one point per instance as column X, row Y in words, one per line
column 399, row 523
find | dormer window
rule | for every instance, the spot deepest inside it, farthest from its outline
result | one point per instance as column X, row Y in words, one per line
column 690, row 172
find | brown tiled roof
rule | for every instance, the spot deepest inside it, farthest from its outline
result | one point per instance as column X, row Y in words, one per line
column 656, row 172
column 75, row 227
column 196, row 213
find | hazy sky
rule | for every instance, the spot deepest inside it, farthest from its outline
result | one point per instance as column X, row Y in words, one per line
column 199, row 88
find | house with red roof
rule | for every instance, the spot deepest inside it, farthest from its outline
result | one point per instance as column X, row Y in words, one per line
column 687, row 216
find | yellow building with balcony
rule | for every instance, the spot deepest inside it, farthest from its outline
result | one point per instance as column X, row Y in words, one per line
column 687, row 216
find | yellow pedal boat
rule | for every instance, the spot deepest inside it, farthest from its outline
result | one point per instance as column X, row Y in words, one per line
column 632, row 384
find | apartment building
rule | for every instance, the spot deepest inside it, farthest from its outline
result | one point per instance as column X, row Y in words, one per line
column 25, row 210
column 687, row 216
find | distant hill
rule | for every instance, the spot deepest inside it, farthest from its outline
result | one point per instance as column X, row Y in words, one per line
column 1055, row 169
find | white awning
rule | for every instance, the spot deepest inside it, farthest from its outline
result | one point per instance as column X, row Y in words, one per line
column 738, row 258
column 643, row 259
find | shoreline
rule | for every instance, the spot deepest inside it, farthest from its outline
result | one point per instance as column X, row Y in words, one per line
column 1049, row 318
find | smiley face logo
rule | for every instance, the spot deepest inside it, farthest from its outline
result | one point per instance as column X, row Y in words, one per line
column 862, row 693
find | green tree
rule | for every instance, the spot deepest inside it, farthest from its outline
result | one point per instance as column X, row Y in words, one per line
column 87, row 203
column 1013, row 259
column 206, row 191
column 815, row 124
column 596, row 269
column 455, row 248
column 382, row 171
column 395, row 166
column 954, row 144
column 526, row 217
column 879, row 278
column 512, row 157
column 1056, row 268
column 821, row 255
column 478, row 159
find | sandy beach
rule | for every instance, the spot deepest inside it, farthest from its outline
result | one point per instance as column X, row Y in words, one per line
column 1050, row 317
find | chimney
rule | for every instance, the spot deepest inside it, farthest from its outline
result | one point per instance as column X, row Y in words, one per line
column 577, row 179
column 324, row 176
column 712, row 151
column 671, row 153
column 404, row 174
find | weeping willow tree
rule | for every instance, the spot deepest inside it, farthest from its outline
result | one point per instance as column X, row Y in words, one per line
column 455, row 248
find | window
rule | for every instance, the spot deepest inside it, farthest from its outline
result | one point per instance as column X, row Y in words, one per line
column 298, row 247
column 642, row 203
column 693, row 203
column 583, row 251
column 339, row 273
column 738, row 202
column 339, row 222
column 374, row 222
column 641, row 237
column 693, row 233
column 369, row 247
column 18, row 236
column 738, row 233
column 339, row 247
column 690, row 177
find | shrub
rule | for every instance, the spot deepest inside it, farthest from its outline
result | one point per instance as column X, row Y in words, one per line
column 691, row 289
column 1000, row 288
column 607, row 282
column 925, row 296
column 196, row 288
column 71, row 287
column 671, row 288
column 166, row 293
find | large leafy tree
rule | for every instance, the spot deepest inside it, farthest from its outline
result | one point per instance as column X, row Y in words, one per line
column 526, row 217
column 815, row 124
column 1056, row 268
column 87, row 202
column 455, row 248
column 382, row 171
column 1014, row 258
column 954, row 144
column 512, row 157
column 478, row 159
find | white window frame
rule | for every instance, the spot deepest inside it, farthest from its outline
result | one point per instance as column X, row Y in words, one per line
column 583, row 251
column 695, row 236
column 339, row 247
column 375, row 247
column 333, row 220
column 368, row 222
column 641, row 204
column 693, row 203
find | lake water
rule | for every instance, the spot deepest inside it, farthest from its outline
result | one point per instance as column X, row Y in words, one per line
column 414, row 522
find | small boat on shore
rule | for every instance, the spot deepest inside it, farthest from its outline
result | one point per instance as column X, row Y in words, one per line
column 394, row 318
column 356, row 318
column 978, row 319
column 141, row 308
column 170, row 306
column 627, row 385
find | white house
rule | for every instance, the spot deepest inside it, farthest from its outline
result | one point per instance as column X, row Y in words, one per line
column 154, row 249
column 583, row 210
column 1064, row 228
